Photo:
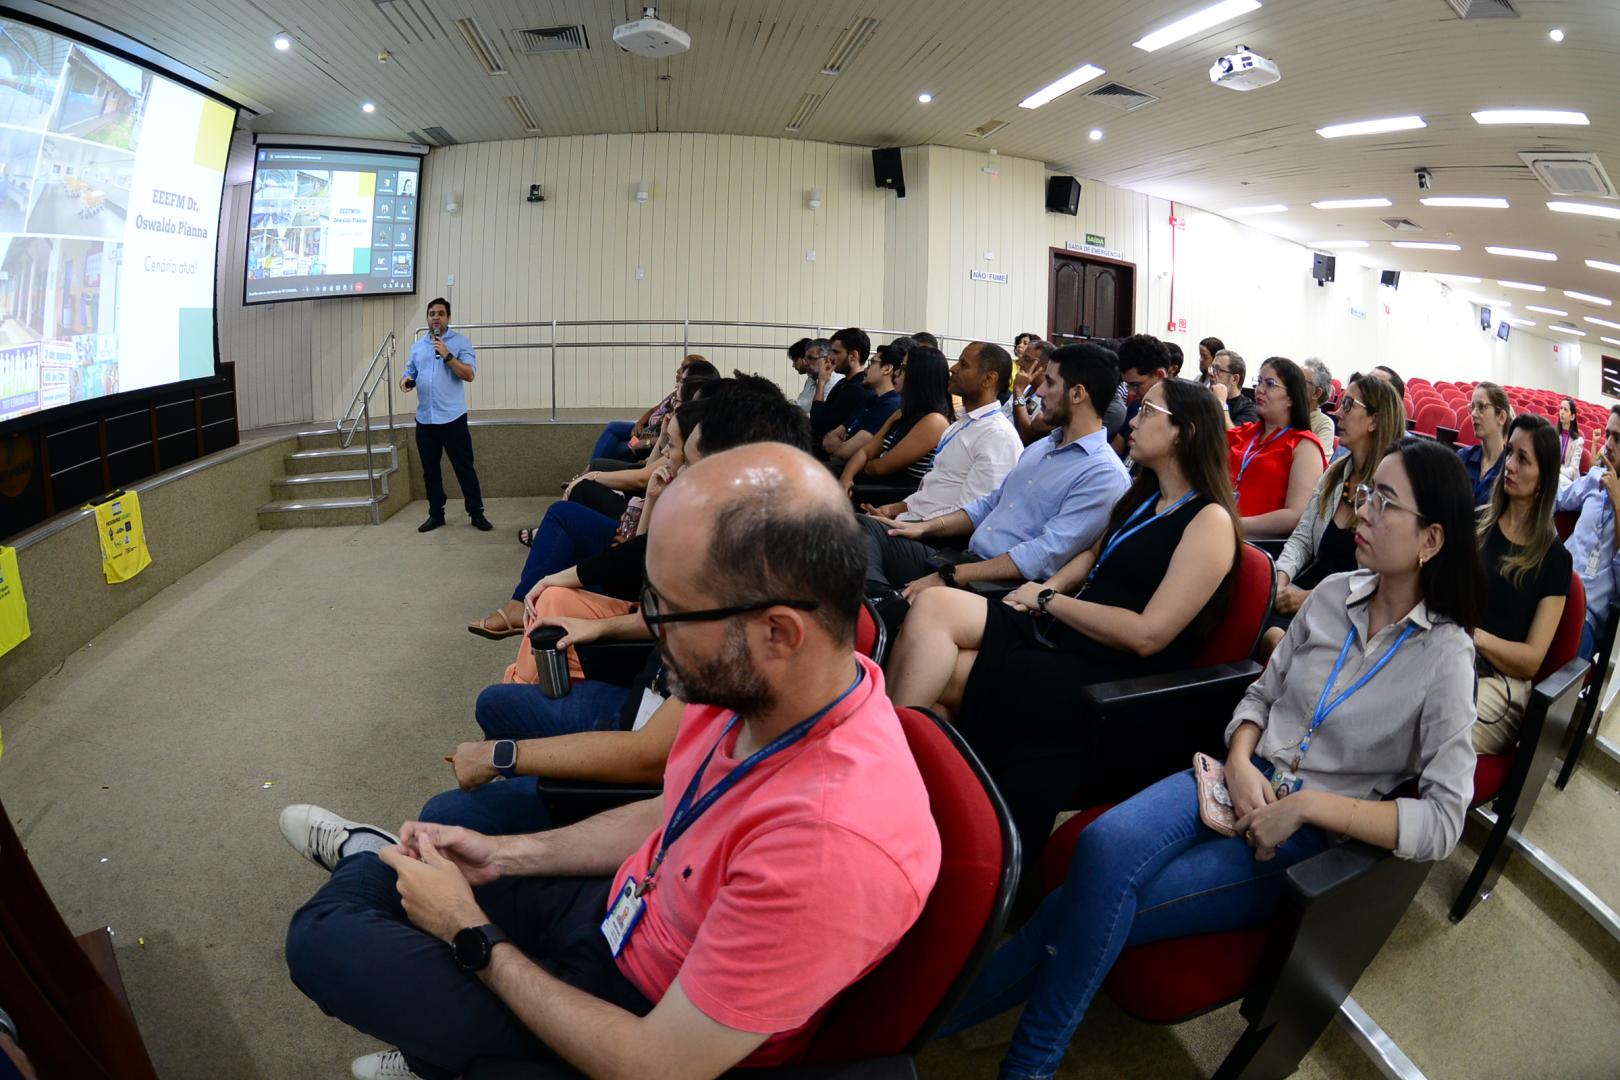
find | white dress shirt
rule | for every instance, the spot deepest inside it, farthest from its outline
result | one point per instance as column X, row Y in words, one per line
column 808, row 395
column 977, row 452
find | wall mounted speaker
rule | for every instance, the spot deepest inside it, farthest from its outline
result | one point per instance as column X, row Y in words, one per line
column 1323, row 268
column 1390, row 279
column 886, row 171
column 1063, row 195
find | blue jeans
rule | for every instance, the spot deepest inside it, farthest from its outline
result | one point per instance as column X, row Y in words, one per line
column 1588, row 640
column 614, row 442
column 566, row 536
column 1147, row 870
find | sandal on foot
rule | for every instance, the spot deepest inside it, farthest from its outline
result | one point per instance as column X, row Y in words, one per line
column 505, row 630
column 526, row 536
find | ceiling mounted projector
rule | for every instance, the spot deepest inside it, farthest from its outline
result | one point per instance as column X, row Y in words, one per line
column 1244, row 70
column 651, row 36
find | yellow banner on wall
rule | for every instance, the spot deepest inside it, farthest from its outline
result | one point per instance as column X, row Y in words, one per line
column 13, row 607
column 123, row 538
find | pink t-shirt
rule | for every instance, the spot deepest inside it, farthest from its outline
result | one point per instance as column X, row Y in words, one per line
column 796, row 882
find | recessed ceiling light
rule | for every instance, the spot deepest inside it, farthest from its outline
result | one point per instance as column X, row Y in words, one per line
column 1530, row 116
column 1585, row 208
column 1425, row 245
column 1371, row 127
column 1525, row 285
column 1096, row 133
column 1461, row 279
column 1588, row 298
column 366, row 106
column 1078, row 77
column 1597, row 264
column 924, row 98
column 1189, row 25
column 1511, row 321
column 1522, row 253
column 1477, row 202
column 1595, row 321
column 1349, row 204
column 1247, row 211
column 282, row 42
column 1330, row 244
column 1546, row 310
column 1556, row 35
column 1566, row 330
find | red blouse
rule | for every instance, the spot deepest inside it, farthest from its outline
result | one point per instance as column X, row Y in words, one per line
column 1262, row 486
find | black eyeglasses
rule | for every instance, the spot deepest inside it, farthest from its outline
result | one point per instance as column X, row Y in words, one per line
column 650, row 604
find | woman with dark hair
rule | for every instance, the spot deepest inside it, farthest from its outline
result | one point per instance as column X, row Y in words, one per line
column 1371, row 688
column 906, row 443
column 1206, row 356
column 1490, row 410
column 1140, row 601
column 1569, row 440
column 1275, row 461
column 1527, row 574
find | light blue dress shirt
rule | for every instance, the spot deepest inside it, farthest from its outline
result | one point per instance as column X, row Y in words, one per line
column 1594, row 534
column 441, row 396
column 1052, row 506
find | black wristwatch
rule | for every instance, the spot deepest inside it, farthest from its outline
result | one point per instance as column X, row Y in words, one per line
column 1043, row 598
column 947, row 574
column 504, row 757
column 474, row 946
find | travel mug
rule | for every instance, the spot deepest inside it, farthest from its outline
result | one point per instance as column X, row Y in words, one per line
column 550, row 661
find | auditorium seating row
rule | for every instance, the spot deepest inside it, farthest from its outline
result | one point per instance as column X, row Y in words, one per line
column 1432, row 406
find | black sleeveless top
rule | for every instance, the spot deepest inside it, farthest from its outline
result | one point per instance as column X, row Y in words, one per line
column 1335, row 554
column 919, row 468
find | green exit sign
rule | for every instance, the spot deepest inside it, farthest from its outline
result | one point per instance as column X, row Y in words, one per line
column 1096, row 240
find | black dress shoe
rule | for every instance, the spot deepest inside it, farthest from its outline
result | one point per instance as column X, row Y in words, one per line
column 433, row 522
column 481, row 523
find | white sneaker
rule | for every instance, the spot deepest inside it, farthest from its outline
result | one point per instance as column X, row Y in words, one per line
column 319, row 835
column 388, row 1065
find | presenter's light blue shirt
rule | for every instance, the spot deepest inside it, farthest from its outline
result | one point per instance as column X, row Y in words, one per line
column 1052, row 506
column 441, row 396
column 1593, row 533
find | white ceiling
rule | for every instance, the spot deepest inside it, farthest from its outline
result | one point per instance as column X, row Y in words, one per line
column 753, row 60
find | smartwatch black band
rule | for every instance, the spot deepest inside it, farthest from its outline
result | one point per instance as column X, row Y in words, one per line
column 1043, row 598
column 474, row 945
column 504, row 757
column 947, row 574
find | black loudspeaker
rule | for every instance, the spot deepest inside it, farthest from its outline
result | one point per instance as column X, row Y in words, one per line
column 886, row 170
column 1063, row 195
column 1323, row 268
column 1390, row 279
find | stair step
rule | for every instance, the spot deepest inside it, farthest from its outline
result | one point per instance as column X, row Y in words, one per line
column 341, row 452
column 287, row 506
column 335, row 477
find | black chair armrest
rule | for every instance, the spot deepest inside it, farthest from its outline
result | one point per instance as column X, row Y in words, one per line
column 992, row 590
column 568, row 801
column 1165, row 689
column 617, row 662
column 897, row 1067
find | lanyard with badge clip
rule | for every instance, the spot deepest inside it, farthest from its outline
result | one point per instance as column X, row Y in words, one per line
column 1255, row 447
column 967, row 422
column 1126, row 531
column 1324, row 706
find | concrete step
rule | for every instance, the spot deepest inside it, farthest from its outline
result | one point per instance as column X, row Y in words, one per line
column 335, row 459
column 304, row 513
column 327, row 438
column 349, row 482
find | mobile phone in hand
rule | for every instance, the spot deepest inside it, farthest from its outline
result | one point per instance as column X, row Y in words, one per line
column 410, row 384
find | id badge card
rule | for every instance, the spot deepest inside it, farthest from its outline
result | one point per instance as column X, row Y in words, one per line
column 1592, row 563
column 622, row 918
column 1285, row 783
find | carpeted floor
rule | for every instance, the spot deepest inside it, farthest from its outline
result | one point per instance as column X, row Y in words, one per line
column 331, row 666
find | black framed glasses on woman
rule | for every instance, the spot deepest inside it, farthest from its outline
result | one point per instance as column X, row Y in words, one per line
column 655, row 618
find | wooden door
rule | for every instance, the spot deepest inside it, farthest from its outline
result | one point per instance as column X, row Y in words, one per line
column 1089, row 297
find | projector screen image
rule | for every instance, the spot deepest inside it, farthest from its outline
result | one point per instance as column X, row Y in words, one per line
column 331, row 222
column 110, row 184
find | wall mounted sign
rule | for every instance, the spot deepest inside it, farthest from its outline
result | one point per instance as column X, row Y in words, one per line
column 985, row 275
column 1093, row 249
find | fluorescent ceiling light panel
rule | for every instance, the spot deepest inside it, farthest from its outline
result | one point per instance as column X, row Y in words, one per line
column 1525, row 285
column 1247, row 211
column 1460, row 279
column 1078, row 77
column 1597, row 264
column 1475, row 202
column 1189, row 25
column 1371, row 127
column 1610, row 340
column 1588, row 298
column 1531, row 116
column 1331, row 244
column 1511, row 321
column 1595, row 321
column 1610, row 212
column 1425, row 245
column 1349, row 204
column 1522, row 253
column 1566, row 330
column 1546, row 310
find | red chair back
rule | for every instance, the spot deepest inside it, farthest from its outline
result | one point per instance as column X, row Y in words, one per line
column 902, row 1001
column 1434, row 414
column 1567, row 638
column 1465, row 430
column 1238, row 633
column 871, row 636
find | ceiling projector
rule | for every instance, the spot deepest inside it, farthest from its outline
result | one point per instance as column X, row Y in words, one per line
column 1244, row 70
column 651, row 36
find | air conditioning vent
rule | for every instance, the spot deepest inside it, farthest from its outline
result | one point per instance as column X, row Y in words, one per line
column 1400, row 224
column 1578, row 174
column 483, row 49
column 439, row 137
column 1121, row 97
column 1483, row 9
column 850, row 42
column 807, row 108
column 520, row 109
column 986, row 129
column 552, row 39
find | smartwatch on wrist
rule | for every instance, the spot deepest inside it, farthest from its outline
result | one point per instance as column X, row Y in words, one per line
column 1043, row 598
column 504, row 757
column 947, row 574
column 474, row 945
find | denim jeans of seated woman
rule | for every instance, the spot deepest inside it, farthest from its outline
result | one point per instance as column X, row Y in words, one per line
column 614, row 442
column 567, row 536
column 1147, row 870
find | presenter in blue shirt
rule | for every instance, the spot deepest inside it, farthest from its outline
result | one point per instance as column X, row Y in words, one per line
column 440, row 366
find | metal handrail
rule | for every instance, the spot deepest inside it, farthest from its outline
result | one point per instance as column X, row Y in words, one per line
column 351, row 420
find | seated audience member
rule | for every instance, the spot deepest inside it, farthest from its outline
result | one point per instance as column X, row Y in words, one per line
column 610, row 487
column 1591, row 544
column 1019, row 342
column 1023, row 406
column 1143, row 362
column 1371, row 420
column 902, row 451
column 620, row 439
column 923, row 337
column 883, row 380
column 1569, row 440
column 1226, row 375
column 1275, row 460
column 1141, row 600
column 834, row 404
column 1206, row 358
column 977, row 451
column 1491, row 412
column 1527, row 575
column 810, row 854
column 1389, row 376
column 1052, row 505
column 1149, row 869
column 1176, row 359
column 1320, row 384
column 811, row 352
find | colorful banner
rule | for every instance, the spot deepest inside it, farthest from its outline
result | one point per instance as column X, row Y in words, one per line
column 123, row 538
column 13, row 607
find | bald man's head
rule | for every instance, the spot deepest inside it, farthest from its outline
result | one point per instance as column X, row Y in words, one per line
column 764, row 522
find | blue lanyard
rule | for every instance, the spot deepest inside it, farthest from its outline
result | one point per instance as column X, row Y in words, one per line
column 1254, row 451
column 1125, row 532
column 949, row 435
column 1324, row 706
column 690, row 808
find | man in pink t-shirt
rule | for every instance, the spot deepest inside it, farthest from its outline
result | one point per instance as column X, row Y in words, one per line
column 791, row 849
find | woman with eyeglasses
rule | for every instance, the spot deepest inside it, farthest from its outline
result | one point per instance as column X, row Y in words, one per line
column 1490, row 411
column 1371, row 688
column 905, row 444
column 1569, row 440
column 1275, row 461
column 1527, row 572
column 1140, row 601
column 1371, row 420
